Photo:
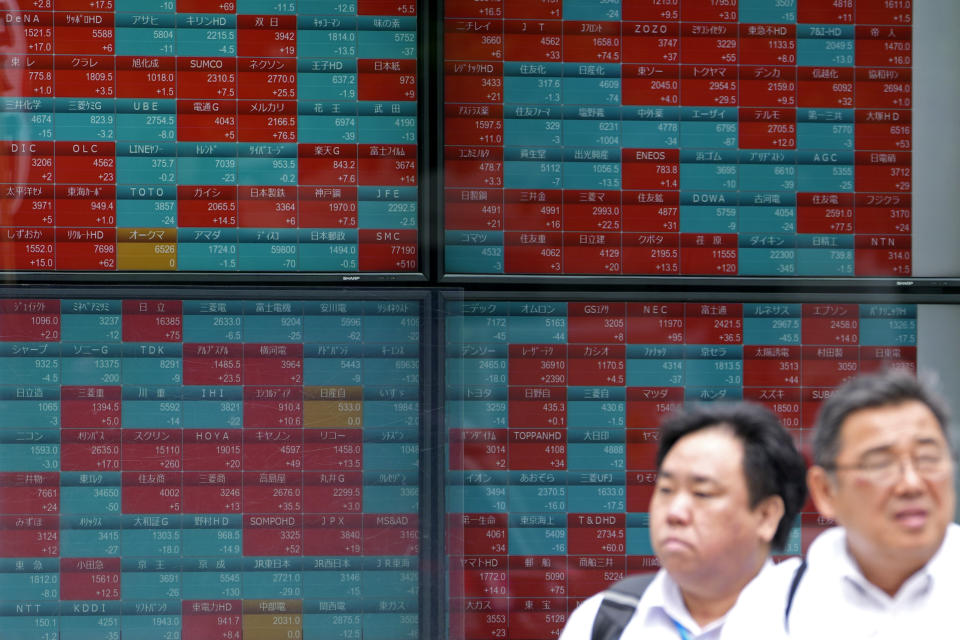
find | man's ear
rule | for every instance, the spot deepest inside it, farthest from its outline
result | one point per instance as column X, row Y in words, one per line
column 770, row 510
column 823, row 490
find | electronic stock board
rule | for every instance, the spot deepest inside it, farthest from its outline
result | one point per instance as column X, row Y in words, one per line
column 209, row 135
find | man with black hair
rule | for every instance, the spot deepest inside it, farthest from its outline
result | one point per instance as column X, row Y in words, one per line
column 730, row 483
column 884, row 470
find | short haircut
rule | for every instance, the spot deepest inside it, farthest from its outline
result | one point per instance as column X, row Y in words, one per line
column 772, row 464
column 887, row 388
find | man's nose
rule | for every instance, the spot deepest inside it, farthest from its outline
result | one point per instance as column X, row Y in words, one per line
column 678, row 511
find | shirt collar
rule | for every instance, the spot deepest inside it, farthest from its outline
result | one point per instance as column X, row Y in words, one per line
column 667, row 599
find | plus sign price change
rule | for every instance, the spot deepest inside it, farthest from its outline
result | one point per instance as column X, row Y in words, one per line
column 209, row 135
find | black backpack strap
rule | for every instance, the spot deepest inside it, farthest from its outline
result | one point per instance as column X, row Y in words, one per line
column 619, row 603
column 794, row 584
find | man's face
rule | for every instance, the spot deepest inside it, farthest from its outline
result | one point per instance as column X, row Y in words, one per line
column 888, row 490
column 701, row 524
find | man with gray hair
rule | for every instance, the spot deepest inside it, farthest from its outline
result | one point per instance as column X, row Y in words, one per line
column 884, row 471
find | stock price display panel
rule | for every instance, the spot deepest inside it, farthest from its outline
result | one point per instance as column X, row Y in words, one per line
column 209, row 135
column 678, row 137
column 209, row 469
column 552, row 411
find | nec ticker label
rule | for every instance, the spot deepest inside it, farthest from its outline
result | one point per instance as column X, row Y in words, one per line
column 208, row 135
column 669, row 137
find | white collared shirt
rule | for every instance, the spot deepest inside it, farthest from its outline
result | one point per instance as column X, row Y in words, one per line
column 659, row 611
column 835, row 600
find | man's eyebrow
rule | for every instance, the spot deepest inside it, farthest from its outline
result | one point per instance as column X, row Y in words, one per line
column 889, row 447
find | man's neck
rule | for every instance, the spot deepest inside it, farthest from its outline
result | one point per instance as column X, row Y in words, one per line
column 708, row 604
column 888, row 573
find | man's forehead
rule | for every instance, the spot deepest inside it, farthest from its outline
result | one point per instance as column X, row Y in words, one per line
column 903, row 423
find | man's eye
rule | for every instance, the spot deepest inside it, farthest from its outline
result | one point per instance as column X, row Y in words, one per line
column 702, row 494
column 663, row 489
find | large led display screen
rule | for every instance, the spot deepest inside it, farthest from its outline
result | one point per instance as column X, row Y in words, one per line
column 209, row 468
column 551, row 412
column 209, row 135
column 677, row 137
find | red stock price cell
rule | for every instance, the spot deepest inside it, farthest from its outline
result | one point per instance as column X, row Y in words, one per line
column 87, row 205
column 326, row 207
column 333, row 449
column 768, row 86
column 533, row 40
column 648, row 10
column 883, row 130
column 336, row 535
column 473, row 209
column 883, row 171
column 268, row 36
column 272, row 492
column 34, row 162
column 272, row 450
column 391, row 534
column 715, row 11
column 825, row 12
column 90, row 578
column 591, row 41
column 212, row 492
column 647, row 406
column 89, row 406
column 394, row 164
column 878, row 255
column 526, row 252
column 592, row 252
column 640, row 485
column 473, row 124
column 146, row 77
column 267, row 79
column 592, row 574
column 767, row 128
column 473, row 81
column 543, row 449
column 152, row 492
column 708, row 253
column 212, row 619
column 269, row 406
column 765, row 44
column 596, row 533
column 83, row 32
column 829, row 87
column 786, row 403
column 88, row 76
column 152, row 449
column 382, row 250
column 332, row 492
column 478, row 449
column 650, row 42
column 212, row 449
column 480, row 167
column 825, row 213
column 709, row 85
column 482, row 534
column 651, row 84
column 152, row 320
column 533, row 210
column 883, row 213
column 273, row 363
column 889, row 46
column 327, row 164
column 652, row 323
column 31, row 536
column 386, row 8
column 29, row 248
column 273, row 121
column 542, row 407
column 709, row 43
column 828, row 366
column 642, row 449
column 272, row 534
column 212, row 364
column 206, row 78
column 884, row 89
column 214, row 206
column 79, row 163
column 35, row 492
column 30, row 320
column 206, row 120
column 597, row 365
column 538, row 364
column 90, row 449
column 651, row 211
column 651, row 168
column 601, row 322
column 875, row 359
column 592, row 211
column 387, row 79
column 771, row 366
column 537, row 576
column 831, row 324
column 473, row 40
column 652, row 253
